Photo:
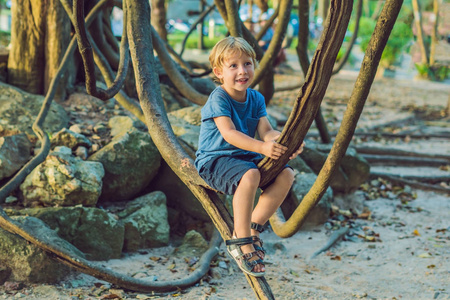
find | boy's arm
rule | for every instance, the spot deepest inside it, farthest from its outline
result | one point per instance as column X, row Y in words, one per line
column 265, row 130
column 267, row 133
column 269, row 148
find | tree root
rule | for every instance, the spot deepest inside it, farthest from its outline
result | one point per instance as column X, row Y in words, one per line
column 403, row 160
column 412, row 183
column 392, row 151
column 335, row 236
column 141, row 285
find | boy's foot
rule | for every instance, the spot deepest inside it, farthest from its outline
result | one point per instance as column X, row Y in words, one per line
column 246, row 258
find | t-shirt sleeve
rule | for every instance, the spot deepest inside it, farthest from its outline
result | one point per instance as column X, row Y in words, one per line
column 216, row 106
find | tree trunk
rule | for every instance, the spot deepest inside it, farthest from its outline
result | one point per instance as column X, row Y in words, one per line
column 158, row 18
column 40, row 31
column 419, row 30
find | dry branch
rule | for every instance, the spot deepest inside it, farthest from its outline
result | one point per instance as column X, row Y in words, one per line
column 412, row 183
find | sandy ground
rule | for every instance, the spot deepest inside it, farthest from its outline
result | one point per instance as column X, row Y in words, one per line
column 400, row 252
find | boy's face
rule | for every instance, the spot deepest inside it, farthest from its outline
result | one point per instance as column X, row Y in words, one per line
column 236, row 75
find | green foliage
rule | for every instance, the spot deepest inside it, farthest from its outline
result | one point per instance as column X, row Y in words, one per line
column 400, row 37
column 5, row 38
column 435, row 72
column 177, row 38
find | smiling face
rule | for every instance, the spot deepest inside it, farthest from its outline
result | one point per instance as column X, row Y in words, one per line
column 236, row 74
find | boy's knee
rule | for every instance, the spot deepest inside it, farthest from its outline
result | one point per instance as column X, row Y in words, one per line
column 252, row 175
column 288, row 175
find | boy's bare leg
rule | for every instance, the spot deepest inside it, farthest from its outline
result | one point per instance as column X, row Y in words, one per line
column 242, row 209
column 272, row 197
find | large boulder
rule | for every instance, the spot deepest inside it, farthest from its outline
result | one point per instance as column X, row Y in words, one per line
column 354, row 169
column 63, row 180
column 93, row 231
column 131, row 161
column 14, row 153
column 185, row 124
column 146, row 222
column 321, row 211
column 179, row 196
column 19, row 109
column 25, row 262
column 121, row 124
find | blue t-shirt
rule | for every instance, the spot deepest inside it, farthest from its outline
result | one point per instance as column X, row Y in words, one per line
column 244, row 115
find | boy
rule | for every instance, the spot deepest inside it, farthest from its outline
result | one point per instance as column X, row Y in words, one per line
column 228, row 153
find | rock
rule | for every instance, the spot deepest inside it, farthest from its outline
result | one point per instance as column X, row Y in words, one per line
column 191, row 115
column 14, row 153
column 121, row 124
column 70, row 139
column 302, row 184
column 353, row 171
column 18, row 111
column 81, row 152
column 146, row 222
column 63, row 180
column 179, row 196
column 170, row 101
column 193, row 245
column 131, row 161
column 27, row 262
column 93, row 231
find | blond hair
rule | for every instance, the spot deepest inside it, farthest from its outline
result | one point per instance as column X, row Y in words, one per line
column 227, row 47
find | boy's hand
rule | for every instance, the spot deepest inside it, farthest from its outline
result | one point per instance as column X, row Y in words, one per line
column 273, row 150
column 296, row 153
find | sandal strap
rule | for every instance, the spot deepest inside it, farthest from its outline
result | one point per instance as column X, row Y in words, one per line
column 257, row 227
column 251, row 263
column 240, row 241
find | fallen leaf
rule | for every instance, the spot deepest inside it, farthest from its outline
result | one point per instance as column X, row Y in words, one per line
column 431, row 266
column 172, row 266
column 337, row 257
column 110, row 296
column 155, row 258
column 416, row 232
column 425, row 255
column 294, row 273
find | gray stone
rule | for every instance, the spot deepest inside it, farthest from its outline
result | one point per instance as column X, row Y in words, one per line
column 179, row 196
column 26, row 261
column 18, row 111
column 70, row 139
column 185, row 123
column 320, row 213
column 146, row 222
column 131, row 161
column 191, row 114
column 121, row 124
column 14, row 153
column 63, row 180
column 93, row 231
column 353, row 171
column 193, row 245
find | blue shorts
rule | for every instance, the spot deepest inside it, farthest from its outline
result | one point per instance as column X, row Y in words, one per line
column 224, row 173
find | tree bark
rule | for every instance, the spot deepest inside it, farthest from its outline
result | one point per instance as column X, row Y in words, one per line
column 354, row 108
column 313, row 90
column 25, row 62
column 158, row 18
column 419, row 32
